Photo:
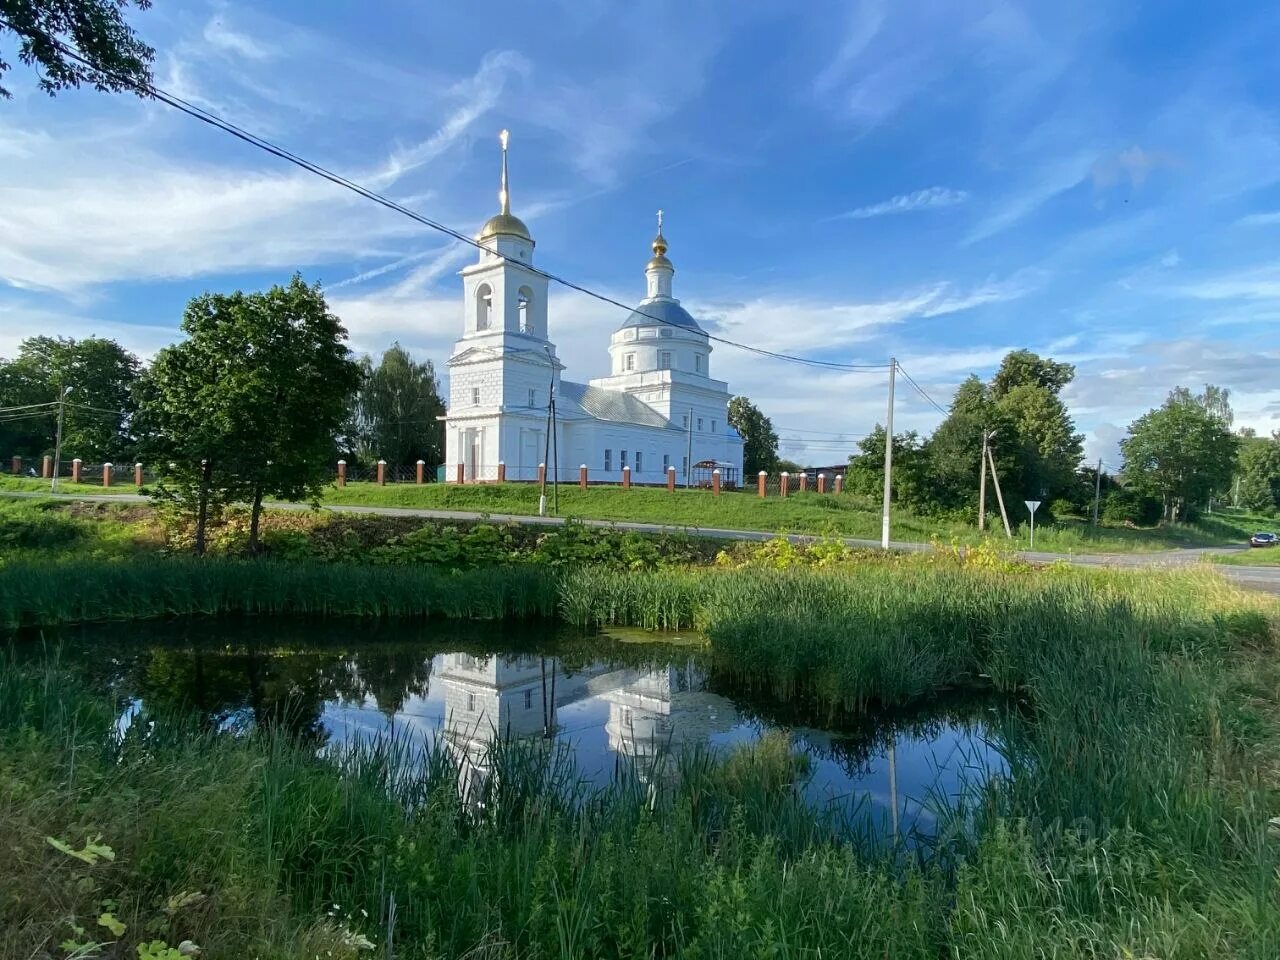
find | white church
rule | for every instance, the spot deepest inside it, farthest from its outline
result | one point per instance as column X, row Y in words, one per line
column 657, row 408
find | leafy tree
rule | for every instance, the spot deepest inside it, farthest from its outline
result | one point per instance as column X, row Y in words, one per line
column 248, row 405
column 1023, row 368
column 96, row 29
column 100, row 373
column 760, row 440
column 1180, row 453
column 1259, row 473
column 789, row 467
column 911, row 481
column 396, row 409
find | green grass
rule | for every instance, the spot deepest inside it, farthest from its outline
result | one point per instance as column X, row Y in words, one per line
column 848, row 515
column 1250, row 558
column 37, row 485
column 1133, row 822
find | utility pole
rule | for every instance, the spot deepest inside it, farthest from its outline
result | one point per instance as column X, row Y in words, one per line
column 888, row 458
column 1097, row 490
column 57, row 440
column 688, row 460
column 982, row 484
column 995, row 478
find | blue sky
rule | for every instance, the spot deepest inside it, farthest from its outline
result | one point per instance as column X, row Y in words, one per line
column 940, row 182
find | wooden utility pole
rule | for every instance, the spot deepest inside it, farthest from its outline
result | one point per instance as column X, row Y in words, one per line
column 995, row 477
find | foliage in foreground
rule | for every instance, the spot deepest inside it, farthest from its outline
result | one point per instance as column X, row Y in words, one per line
column 1133, row 821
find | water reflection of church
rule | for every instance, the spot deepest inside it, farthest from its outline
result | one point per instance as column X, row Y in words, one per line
column 651, row 714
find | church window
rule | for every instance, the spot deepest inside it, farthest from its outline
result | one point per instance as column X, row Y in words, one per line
column 629, row 361
column 524, row 303
column 608, row 458
column 664, row 360
column 666, row 462
column 684, row 466
column 713, row 426
column 699, row 423
column 665, row 332
column 697, row 362
column 639, row 461
column 484, row 306
column 684, row 421
column 475, row 396
column 528, row 699
column 471, row 702
column 622, row 460
column 533, row 397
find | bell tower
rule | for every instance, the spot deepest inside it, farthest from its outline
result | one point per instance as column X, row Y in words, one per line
column 503, row 365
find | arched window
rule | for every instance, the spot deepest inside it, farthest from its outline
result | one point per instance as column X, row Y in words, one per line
column 524, row 302
column 484, row 306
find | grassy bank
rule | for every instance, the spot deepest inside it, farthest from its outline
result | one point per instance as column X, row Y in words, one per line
column 1133, row 821
column 848, row 515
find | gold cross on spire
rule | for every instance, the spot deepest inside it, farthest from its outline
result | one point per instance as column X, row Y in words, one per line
column 504, row 198
column 659, row 221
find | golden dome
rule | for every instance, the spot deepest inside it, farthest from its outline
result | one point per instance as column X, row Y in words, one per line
column 505, row 224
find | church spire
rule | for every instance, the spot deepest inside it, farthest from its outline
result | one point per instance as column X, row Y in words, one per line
column 659, row 270
column 504, row 196
column 503, row 223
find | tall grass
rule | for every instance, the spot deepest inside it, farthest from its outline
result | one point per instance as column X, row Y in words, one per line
column 1133, row 820
column 34, row 593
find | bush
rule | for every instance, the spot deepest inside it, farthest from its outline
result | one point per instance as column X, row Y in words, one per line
column 1128, row 506
column 30, row 526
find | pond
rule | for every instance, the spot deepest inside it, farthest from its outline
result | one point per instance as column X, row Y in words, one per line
column 607, row 699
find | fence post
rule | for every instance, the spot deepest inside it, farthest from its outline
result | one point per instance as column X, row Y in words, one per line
column 106, row 474
column 382, row 472
column 582, row 476
column 839, row 483
column 502, row 472
column 542, row 474
column 17, row 466
column 785, row 484
column 822, row 483
column 715, row 482
column 762, row 483
column 460, row 474
column 626, row 478
column 75, row 470
column 342, row 473
column 46, row 467
column 803, row 485
column 137, row 474
column 419, row 476
column 671, row 479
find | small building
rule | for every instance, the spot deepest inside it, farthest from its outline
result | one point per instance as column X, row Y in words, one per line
column 657, row 408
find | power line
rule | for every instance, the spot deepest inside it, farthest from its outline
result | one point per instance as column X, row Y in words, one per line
column 208, row 117
column 920, row 390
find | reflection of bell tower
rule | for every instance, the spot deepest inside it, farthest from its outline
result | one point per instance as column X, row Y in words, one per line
column 657, row 714
column 503, row 364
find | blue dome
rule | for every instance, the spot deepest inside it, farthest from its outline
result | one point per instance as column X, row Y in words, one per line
column 661, row 313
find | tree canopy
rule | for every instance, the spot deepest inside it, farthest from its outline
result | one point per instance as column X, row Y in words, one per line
column 96, row 29
column 97, row 418
column 395, row 413
column 1182, row 452
column 759, row 439
column 249, row 404
column 1258, row 473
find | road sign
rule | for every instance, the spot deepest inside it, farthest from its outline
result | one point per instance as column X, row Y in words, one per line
column 1032, row 505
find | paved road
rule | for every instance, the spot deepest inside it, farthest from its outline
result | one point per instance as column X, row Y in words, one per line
column 1257, row 578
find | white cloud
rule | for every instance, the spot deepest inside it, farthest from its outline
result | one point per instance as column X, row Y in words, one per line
column 926, row 199
column 1267, row 219
column 1254, row 283
column 221, row 37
